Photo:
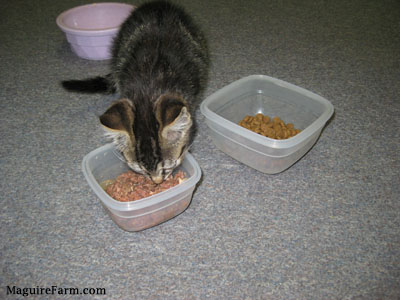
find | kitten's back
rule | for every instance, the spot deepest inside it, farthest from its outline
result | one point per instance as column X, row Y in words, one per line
column 159, row 48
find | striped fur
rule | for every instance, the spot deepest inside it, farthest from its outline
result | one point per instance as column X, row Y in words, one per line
column 159, row 66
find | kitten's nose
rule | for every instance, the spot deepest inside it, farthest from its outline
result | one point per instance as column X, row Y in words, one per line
column 157, row 179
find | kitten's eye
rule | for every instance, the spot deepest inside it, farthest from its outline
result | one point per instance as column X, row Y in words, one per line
column 136, row 167
column 169, row 164
column 157, row 126
column 167, row 172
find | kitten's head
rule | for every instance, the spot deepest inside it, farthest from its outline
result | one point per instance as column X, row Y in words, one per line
column 153, row 138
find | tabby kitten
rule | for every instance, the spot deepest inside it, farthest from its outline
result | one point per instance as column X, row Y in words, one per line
column 159, row 65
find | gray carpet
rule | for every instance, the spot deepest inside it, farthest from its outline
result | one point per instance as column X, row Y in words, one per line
column 327, row 228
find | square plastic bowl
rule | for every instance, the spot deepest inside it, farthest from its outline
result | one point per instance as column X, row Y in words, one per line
column 103, row 164
column 254, row 94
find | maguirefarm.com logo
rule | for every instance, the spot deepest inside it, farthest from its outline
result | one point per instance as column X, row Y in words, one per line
column 53, row 290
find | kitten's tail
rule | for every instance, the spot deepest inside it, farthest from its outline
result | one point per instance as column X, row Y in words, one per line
column 90, row 85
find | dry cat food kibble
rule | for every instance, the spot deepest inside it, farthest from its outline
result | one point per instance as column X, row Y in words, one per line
column 130, row 186
column 275, row 128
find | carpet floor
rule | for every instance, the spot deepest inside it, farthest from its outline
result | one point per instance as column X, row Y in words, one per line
column 326, row 228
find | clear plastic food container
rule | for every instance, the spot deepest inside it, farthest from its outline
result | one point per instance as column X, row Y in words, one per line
column 104, row 164
column 255, row 94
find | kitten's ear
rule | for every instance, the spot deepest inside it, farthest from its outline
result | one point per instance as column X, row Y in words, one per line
column 179, row 127
column 119, row 116
column 174, row 118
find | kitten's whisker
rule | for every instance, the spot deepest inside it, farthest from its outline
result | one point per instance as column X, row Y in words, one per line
column 118, row 154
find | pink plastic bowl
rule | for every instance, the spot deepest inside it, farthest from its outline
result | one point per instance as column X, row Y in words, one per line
column 90, row 29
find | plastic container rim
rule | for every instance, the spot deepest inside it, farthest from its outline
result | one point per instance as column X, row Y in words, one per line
column 111, row 203
column 255, row 150
column 255, row 137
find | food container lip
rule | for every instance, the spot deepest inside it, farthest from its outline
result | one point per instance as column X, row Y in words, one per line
column 88, row 32
column 141, row 203
column 257, row 138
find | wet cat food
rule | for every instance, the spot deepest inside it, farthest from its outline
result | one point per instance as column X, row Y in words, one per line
column 273, row 128
column 130, row 186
